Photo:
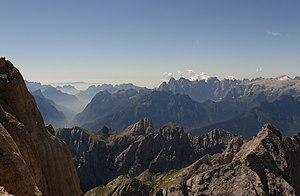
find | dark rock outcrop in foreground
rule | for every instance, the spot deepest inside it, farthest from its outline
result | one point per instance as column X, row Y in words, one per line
column 101, row 157
column 32, row 160
column 268, row 164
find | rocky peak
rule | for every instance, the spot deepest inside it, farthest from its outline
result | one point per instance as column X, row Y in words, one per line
column 123, row 185
column 89, row 156
column 232, row 148
column 105, row 130
column 172, row 132
column 263, row 142
column 38, row 93
column 5, row 65
column 2, row 62
column 269, row 130
column 163, row 86
column 172, row 80
column 43, row 164
column 269, row 165
column 17, row 100
column 213, row 142
column 216, row 136
column 104, row 93
column 292, row 147
column 142, row 127
column 139, row 148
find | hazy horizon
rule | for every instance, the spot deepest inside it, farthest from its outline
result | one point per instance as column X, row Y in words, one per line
column 82, row 85
column 146, row 42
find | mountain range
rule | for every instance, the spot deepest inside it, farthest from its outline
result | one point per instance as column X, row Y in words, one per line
column 128, row 153
column 224, row 103
column 201, row 90
column 68, row 100
column 177, row 163
column 120, row 109
column 143, row 159
column 284, row 113
column 268, row 164
column 49, row 110
column 87, row 95
column 234, row 90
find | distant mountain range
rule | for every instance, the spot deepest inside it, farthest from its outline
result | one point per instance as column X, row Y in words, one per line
column 86, row 95
column 143, row 160
column 196, row 105
column 233, row 90
column 50, row 113
column 266, row 88
column 68, row 89
column 67, row 99
column 57, row 96
column 201, row 90
column 120, row 109
column 284, row 113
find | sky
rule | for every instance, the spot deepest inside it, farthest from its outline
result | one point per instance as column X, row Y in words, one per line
column 146, row 41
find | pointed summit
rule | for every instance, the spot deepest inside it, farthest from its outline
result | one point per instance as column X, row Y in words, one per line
column 142, row 127
column 267, row 130
column 35, row 161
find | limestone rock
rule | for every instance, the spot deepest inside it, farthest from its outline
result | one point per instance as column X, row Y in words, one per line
column 15, row 174
column 90, row 157
column 266, row 165
column 122, row 186
column 3, row 192
column 103, row 156
column 35, row 160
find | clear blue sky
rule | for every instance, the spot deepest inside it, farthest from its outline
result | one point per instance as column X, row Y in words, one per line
column 137, row 40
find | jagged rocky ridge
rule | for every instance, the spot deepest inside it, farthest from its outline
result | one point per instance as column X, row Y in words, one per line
column 268, row 164
column 123, row 108
column 283, row 113
column 101, row 157
column 201, row 90
column 255, row 90
column 87, row 95
column 32, row 160
column 262, row 89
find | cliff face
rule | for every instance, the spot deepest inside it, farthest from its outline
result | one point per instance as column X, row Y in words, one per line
column 101, row 157
column 90, row 156
column 34, row 161
column 268, row 164
column 122, row 186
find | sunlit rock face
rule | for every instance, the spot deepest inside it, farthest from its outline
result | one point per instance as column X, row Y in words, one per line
column 33, row 160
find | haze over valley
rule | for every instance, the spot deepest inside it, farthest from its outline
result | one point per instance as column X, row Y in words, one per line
column 150, row 98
